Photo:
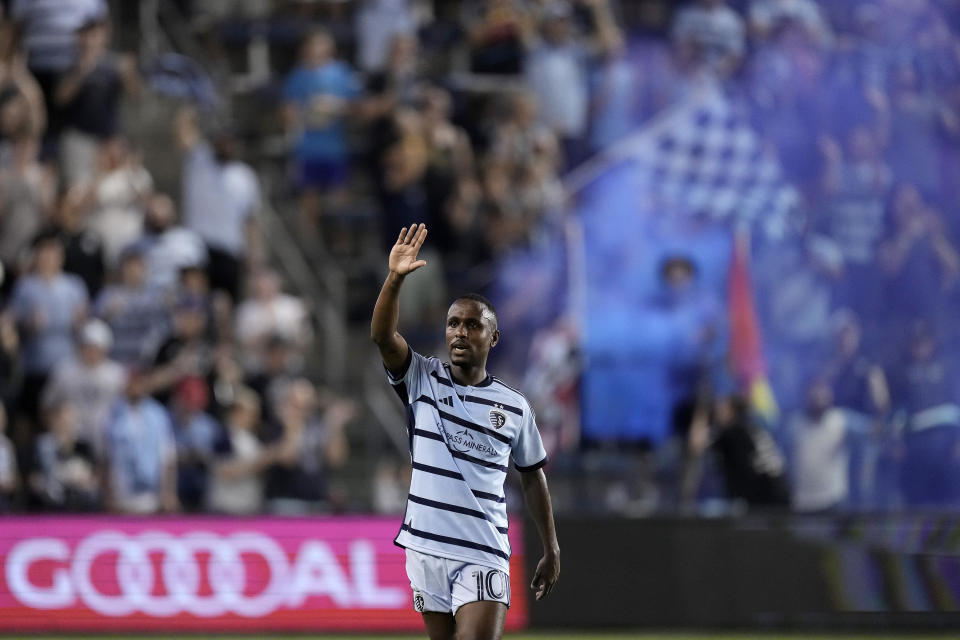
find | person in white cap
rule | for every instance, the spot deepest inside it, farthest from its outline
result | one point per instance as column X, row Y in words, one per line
column 91, row 381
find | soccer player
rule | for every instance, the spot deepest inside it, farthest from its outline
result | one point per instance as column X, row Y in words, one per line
column 463, row 426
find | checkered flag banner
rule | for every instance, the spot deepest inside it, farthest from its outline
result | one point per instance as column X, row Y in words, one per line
column 702, row 157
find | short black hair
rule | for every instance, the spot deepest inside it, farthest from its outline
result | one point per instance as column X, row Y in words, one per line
column 46, row 236
column 677, row 260
column 476, row 297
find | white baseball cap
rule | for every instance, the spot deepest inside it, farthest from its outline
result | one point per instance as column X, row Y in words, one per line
column 96, row 333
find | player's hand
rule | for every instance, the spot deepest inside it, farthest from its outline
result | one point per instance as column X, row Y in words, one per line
column 403, row 256
column 546, row 575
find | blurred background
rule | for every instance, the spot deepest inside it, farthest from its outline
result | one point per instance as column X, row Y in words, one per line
column 721, row 236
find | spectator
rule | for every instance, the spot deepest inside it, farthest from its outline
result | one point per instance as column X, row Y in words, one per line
column 787, row 77
column 270, row 312
column 317, row 96
column 450, row 158
column 136, row 312
column 466, row 255
column 399, row 84
column 398, row 87
column 497, row 31
column 401, row 179
column 17, row 82
column 708, row 34
column 750, row 461
column 47, row 305
column 65, row 476
column 378, row 23
column 83, row 250
column 856, row 182
column 221, row 199
column 186, row 352
column 309, row 443
column 167, row 246
column 915, row 117
column 520, row 139
column 820, row 448
column 556, row 71
column 27, row 189
column 860, row 390
column 697, row 340
column 873, row 52
column 552, row 383
column 195, row 285
column 236, row 481
column 800, row 311
column 924, row 389
column 91, row 383
column 540, row 193
column 615, row 93
column 9, row 476
column 442, row 37
column 767, row 17
column 88, row 96
column 404, row 196
column 49, row 29
column 519, row 177
column 282, row 364
column 920, row 262
column 225, row 379
column 196, row 433
column 505, row 225
column 408, row 199
column 115, row 196
column 141, row 454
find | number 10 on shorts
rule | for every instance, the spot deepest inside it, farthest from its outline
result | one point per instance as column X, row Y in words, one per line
column 492, row 585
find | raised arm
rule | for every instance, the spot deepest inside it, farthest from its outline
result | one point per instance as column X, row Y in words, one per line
column 537, row 497
column 383, row 326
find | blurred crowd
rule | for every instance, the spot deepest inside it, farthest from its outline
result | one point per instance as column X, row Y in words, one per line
column 858, row 101
column 152, row 359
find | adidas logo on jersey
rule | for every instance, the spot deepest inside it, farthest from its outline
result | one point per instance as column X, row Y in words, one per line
column 447, row 400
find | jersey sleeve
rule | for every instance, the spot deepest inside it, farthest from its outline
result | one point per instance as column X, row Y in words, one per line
column 407, row 384
column 528, row 453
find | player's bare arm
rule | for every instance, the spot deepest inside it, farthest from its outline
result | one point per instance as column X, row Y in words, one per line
column 537, row 498
column 383, row 327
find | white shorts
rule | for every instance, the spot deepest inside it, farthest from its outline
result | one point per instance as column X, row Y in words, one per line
column 443, row 585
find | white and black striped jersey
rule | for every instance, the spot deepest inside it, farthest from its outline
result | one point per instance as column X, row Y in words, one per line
column 461, row 441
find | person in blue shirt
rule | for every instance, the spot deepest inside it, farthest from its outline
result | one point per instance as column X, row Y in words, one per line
column 317, row 95
column 47, row 306
column 141, row 473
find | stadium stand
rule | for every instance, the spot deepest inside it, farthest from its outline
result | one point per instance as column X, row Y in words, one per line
column 722, row 237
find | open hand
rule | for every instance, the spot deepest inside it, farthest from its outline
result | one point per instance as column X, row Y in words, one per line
column 403, row 256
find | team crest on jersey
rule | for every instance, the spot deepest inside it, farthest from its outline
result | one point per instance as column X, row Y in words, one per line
column 497, row 418
column 418, row 600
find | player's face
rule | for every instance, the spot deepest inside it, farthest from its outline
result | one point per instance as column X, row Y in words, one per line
column 471, row 331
